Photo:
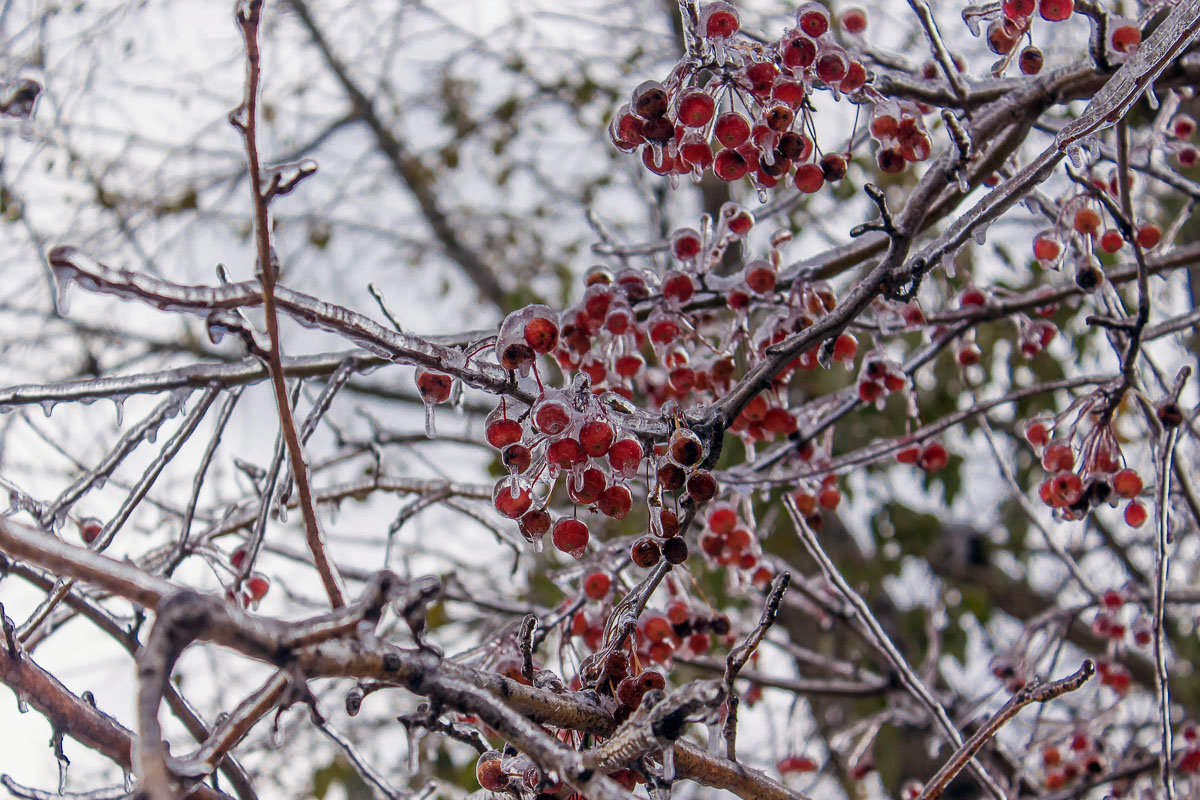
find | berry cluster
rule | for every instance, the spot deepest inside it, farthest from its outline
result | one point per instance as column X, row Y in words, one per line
column 1076, row 484
column 1079, row 234
column 729, row 541
column 639, row 336
column 689, row 123
column 1013, row 20
column 1083, row 759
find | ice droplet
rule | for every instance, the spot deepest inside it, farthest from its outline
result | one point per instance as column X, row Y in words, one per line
column 668, row 764
column 762, row 193
column 430, row 425
column 48, row 407
column 980, row 234
column 1075, row 153
column 22, row 704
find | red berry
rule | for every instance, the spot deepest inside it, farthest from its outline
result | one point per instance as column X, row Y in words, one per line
column 596, row 437
column 588, row 488
column 685, row 448
column 1135, row 514
column 596, row 585
column 731, row 129
column 507, row 504
column 1002, row 36
column 1058, row 457
column 972, row 297
column 696, row 108
column 678, row 285
column 565, row 452
column 829, row 497
column 1127, row 483
column 624, row 456
column 933, row 457
column 799, row 51
column 490, row 773
column 813, row 19
column 1149, row 236
column 854, row 20
column 1016, row 9
column 1030, row 60
column 809, row 178
column 856, row 77
column 1183, row 126
column 730, row 165
column 570, row 536
column 516, row 458
column 796, row 764
column 90, row 527
column 833, row 167
column 534, row 524
column 832, row 65
column 503, row 432
column 719, row 20
column 759, row 276
column 1045, row 248
column 645, row 552
column 1056, row 10
column 1087, row 221
column 1126, row 38
column 1037, row 433
column 701, row 486
column 434, row 387
column 257, row 586
column 616, row 501
column 738, row 220
column 551, row 416
column 675, row 550
column 1111, row 241
column 845, row 347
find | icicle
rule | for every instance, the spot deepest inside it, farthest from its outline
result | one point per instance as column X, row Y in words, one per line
column 119, row 405
column 414, row 742
column 980, row 234
column 430, row 426
column 673, row 180
column 668, row 764
column 1075, row 153
column 282, row 512
column 656, row 526
column 457, row 397
column 657, row 155
column 22, row 704
column 761, row 191
column 719, row 53
column 47, row 407
column 714, row 737
column 63, row 276
column 964, row 185
column 948, row 265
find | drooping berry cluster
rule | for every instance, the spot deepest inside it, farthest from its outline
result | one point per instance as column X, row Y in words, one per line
column 691, row 123
column 1078, row 482
column 1079, row 234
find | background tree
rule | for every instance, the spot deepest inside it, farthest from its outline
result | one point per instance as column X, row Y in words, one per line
column 801, row 393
